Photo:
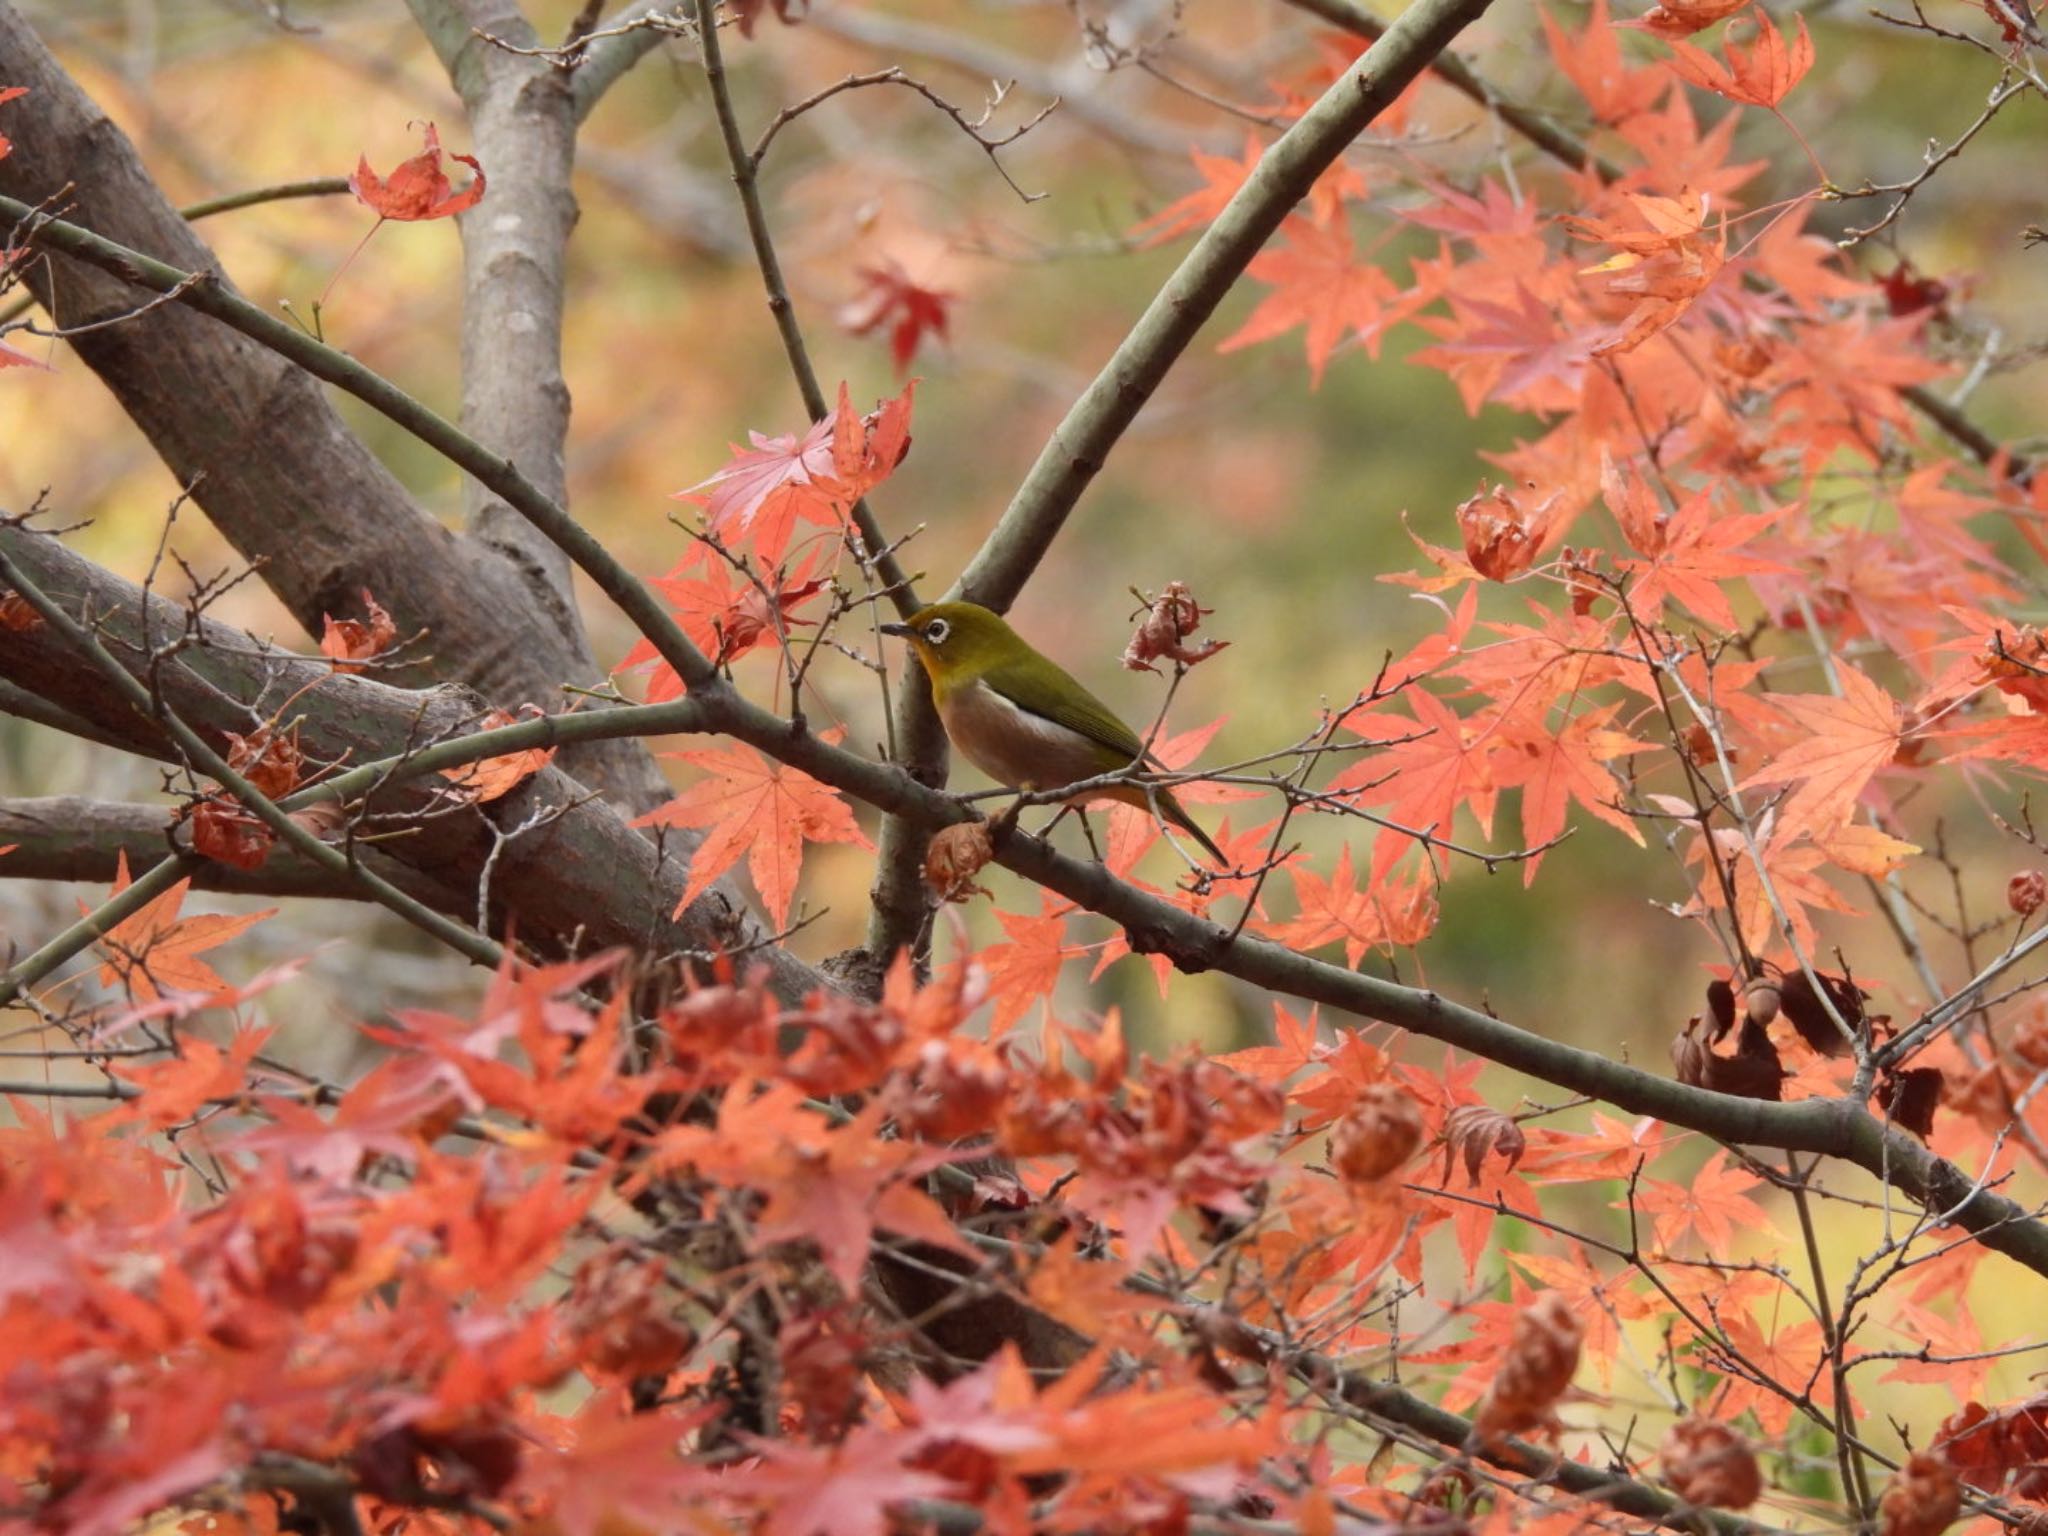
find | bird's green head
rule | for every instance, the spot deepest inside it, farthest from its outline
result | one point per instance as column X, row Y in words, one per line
column 957, row 642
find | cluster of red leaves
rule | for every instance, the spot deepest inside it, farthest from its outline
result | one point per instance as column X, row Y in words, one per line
column 372, row 1286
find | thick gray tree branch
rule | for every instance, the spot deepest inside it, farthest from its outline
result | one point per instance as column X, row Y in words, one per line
column 582, row 881
column 267, row 458
column 515, row 251
column 70, row 837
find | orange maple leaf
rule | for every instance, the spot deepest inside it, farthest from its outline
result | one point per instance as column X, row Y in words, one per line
column 1666, row 260
column 155, row 951
column 1851, row 738
column 1026, row 966
column 172, row 1091
column 1689, row 552
column 1434, row 764
column 1761, row 74
column 1554, row 767
column 724, row 614
column 495, row 777
column 1388, row 915
column 1712, row 1205
column 1682, row 18
column 1319, row 281
column 1592, row 61
column 1221, row 177
column 759, row 807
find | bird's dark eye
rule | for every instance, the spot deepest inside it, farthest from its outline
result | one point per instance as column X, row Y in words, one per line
column 936, row 631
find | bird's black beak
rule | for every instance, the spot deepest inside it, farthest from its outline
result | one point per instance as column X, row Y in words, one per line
column 898, row 629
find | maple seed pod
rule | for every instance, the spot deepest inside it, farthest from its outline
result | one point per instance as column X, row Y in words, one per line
column 2025, row 892
column 1377, row 1135
column 1542, row 1357
column 1760, row 1000
column 1710, row 1464
column 1923, row 1499
column 955, row 855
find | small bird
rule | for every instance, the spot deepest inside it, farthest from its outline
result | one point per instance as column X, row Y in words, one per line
column 1018, row 716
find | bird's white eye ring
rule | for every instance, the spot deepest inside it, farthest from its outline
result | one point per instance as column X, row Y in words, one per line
column 935, row 632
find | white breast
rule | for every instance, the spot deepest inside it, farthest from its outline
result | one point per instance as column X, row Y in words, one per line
column 1012, row 745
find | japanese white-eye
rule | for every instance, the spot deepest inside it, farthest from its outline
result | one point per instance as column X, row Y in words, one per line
column 1021, row 719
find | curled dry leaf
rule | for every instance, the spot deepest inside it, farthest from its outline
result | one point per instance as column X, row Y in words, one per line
column 269, row 759
column 16, row 614
column 496, row 777
column 1704, row 1056
column 1541, row 1358
column 1376, row 1135
column 326, row 820
column 227, row 834
column 1923, row 1499
column 2025, row 892
column 1710, row 1464
column 1473, row 1130
column 955, row 855
column 1169, row 620
column 1909, row 1098
column 350, row 642
column 1814, row 1018
column 418, row 188
column 1503, row 537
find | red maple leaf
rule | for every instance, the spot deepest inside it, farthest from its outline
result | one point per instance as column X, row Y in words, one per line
column 764, row 490
column 759, row 807
column 418, row 188
column 724, row 614
column 1319, row 281
column 890, row 296
column 1761, row 74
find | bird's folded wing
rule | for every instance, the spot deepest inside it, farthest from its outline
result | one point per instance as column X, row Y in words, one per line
column 1052, row 695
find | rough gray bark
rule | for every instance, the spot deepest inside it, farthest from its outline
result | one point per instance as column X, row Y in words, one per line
column 267, row 457
column 583, row 881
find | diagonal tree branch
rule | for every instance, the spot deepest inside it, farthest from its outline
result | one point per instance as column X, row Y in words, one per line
column 1081, row 443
